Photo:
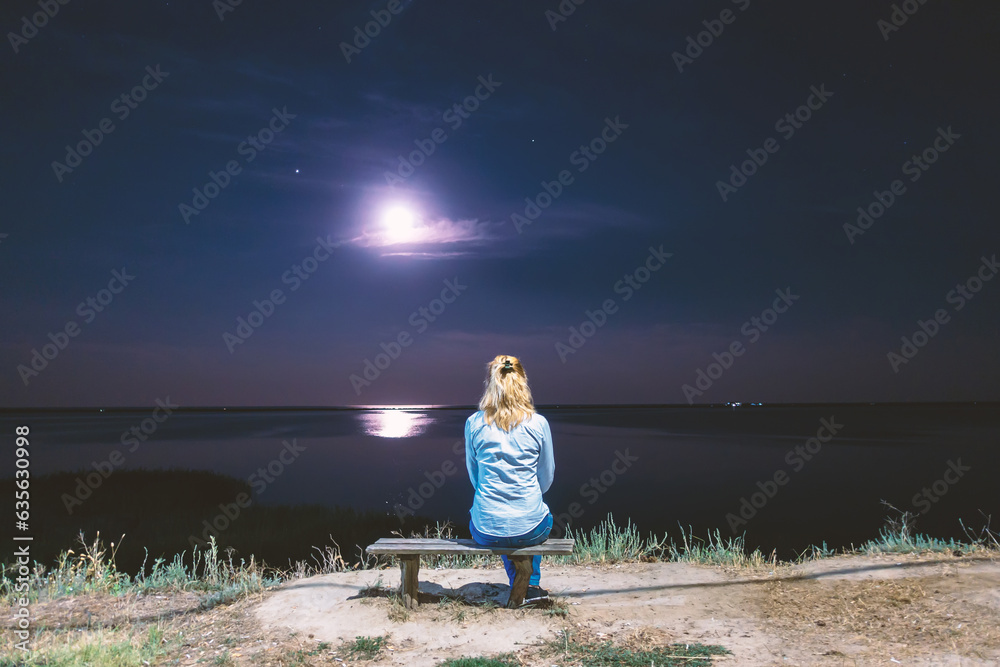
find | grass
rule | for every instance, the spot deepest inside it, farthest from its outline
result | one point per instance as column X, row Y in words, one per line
column 375, row 590
column 93, row 570
column 458, row 610
column 503, row 660
column 611, row 543
column 607, row 654
column 118, row 647
column 398, row 613
column 297, row 658
column 908, row 614
column 220, row 580
column 716, row 550
column 366, row 648
column 453, row 608
column 570, row 647
column 898, row 536
column 557, row 608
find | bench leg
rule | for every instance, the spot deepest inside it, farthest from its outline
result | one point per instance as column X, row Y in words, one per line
column 410, row 565
column 522, row 573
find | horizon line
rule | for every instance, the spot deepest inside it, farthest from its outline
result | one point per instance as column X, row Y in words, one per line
column 408, row 406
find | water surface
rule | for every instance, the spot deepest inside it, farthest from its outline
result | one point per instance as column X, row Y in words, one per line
column 660, row 467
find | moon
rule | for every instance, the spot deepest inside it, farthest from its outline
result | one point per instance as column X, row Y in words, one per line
column 399, row 223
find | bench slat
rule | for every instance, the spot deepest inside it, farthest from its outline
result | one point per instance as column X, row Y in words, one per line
column 461, row 543
column 428, row 549
column 422, row 546
column 454, row 541
column 524, row 551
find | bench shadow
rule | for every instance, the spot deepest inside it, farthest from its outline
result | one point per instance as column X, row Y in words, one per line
column 474, row 594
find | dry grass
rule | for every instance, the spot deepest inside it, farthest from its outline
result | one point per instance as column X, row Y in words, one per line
column 93, row 610
column 639, row 646
column 643, row 639
column 432, row 607
column 904, row 615
column 461, row 612
column 98, row 629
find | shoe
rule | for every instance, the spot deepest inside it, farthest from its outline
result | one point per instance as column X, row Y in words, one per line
column 535, row 593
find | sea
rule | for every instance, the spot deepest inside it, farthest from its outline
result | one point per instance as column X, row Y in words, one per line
column 779, row 477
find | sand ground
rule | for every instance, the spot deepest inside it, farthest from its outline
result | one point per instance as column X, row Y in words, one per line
column 931, row 610
column 848, row 610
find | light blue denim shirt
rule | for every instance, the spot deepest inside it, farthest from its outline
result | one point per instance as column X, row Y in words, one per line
column 510, row 472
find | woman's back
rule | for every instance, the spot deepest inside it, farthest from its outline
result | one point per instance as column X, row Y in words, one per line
column 509, row 471
column 508, row 451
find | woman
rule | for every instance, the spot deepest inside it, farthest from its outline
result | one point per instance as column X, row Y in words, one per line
column 508, row 451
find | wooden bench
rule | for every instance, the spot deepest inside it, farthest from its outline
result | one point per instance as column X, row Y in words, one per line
column 410, row 550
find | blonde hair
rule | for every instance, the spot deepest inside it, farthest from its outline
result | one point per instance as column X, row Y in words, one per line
column 507, row 399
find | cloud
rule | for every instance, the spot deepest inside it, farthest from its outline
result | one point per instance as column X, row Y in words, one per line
column 428, row 239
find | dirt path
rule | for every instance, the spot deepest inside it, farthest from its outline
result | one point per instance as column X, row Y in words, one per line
column 841, row 611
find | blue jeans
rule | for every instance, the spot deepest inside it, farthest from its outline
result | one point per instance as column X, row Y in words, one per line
column 536, row 535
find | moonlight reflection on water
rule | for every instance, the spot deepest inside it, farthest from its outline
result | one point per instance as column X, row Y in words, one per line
column 394, row 423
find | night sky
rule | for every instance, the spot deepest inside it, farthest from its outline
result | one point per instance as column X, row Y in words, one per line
column 247, row 204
